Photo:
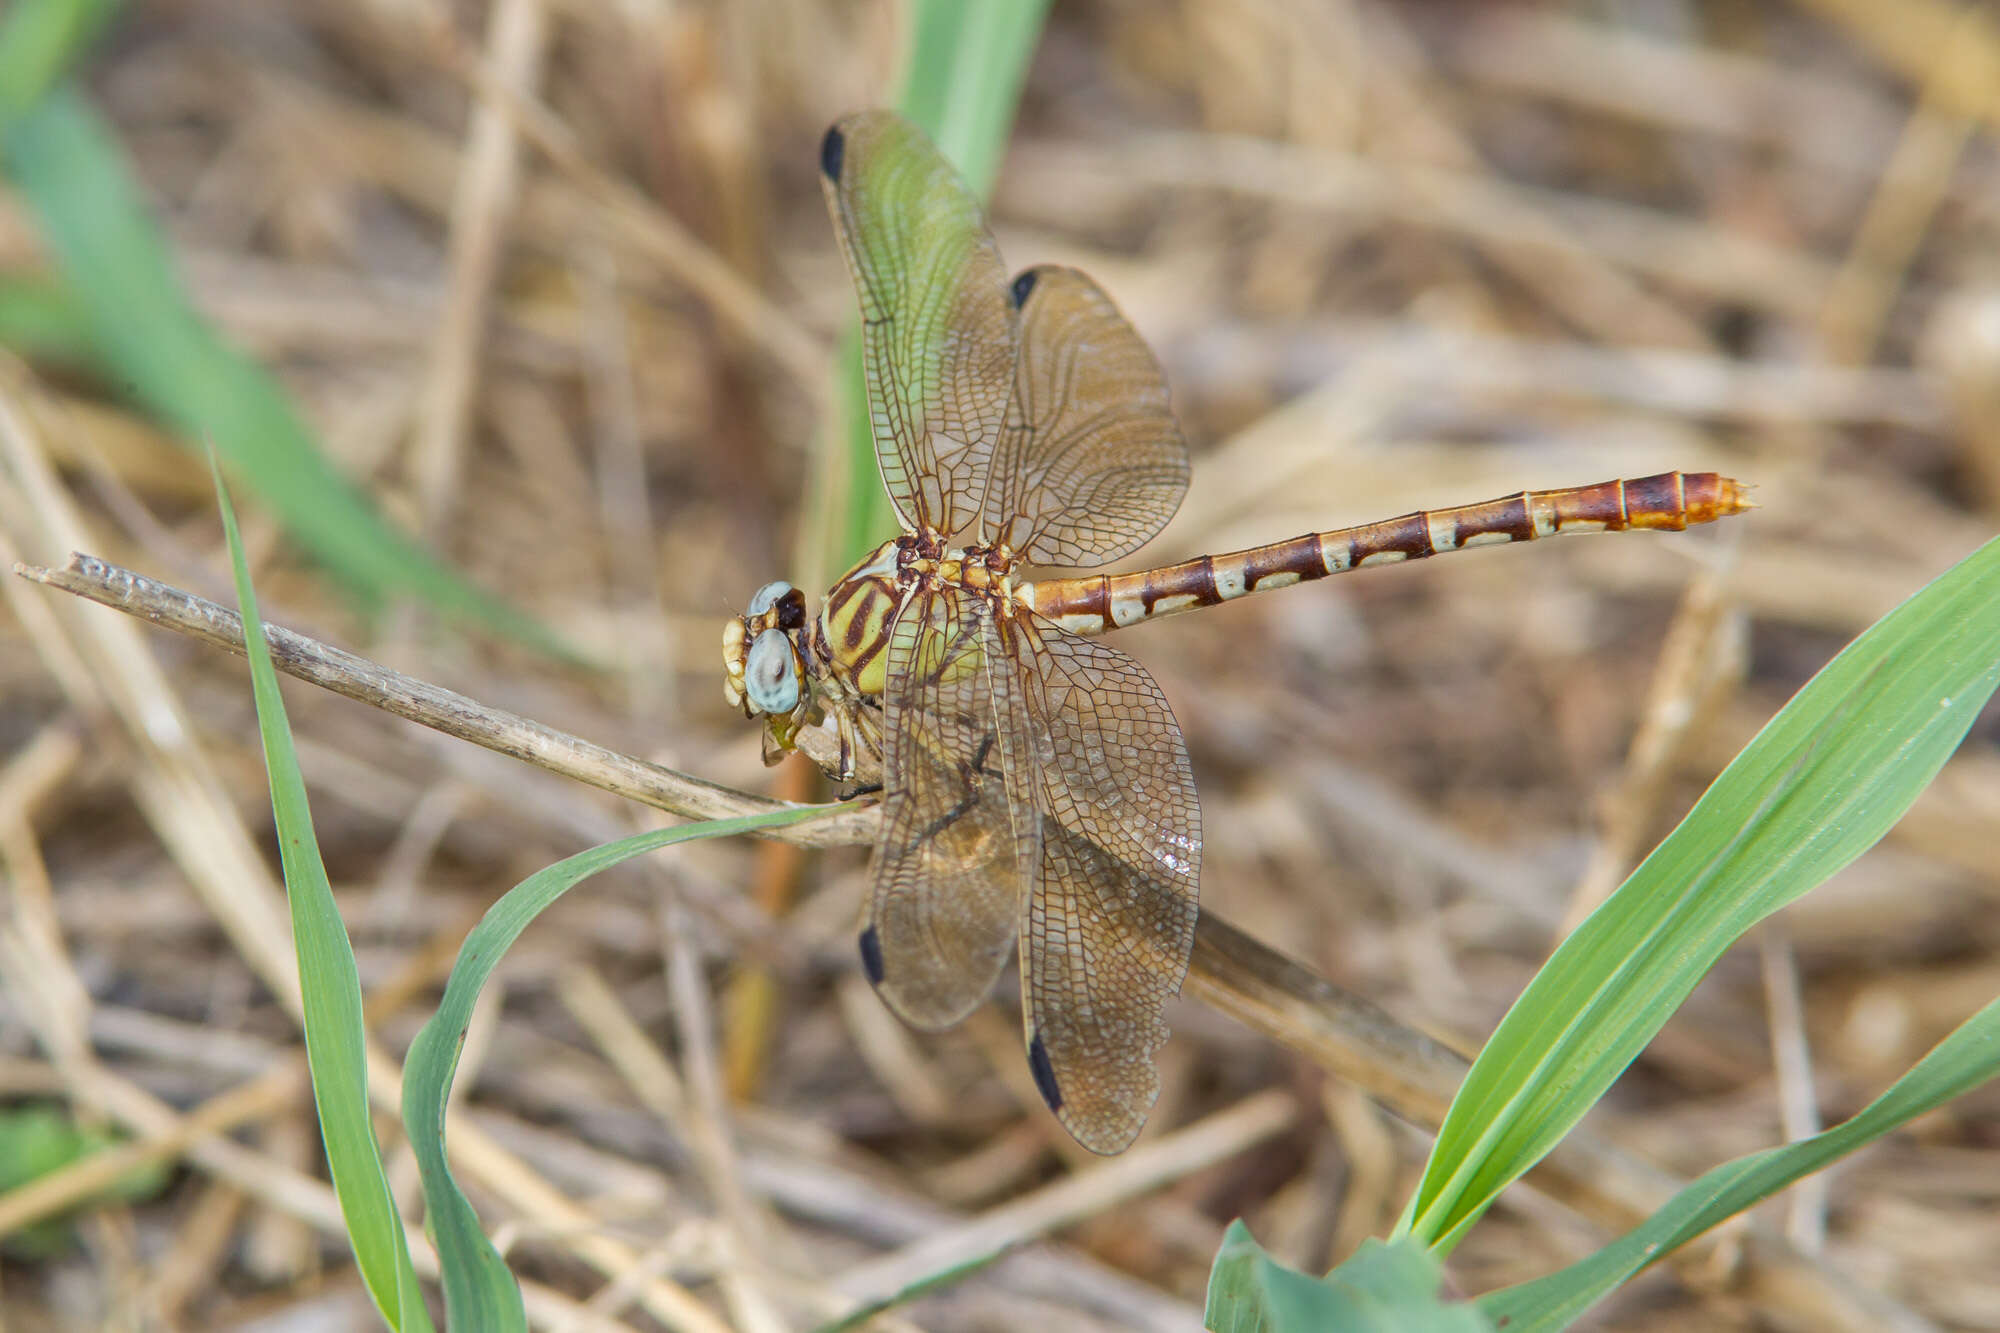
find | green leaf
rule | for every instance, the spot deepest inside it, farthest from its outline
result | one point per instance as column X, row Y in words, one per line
column 43, row 319
column 39, row 41
column 330, row 988
column 863, row 1315
column 962, row 77
column 1387, row 1287
column 849, row 513
column 36, row 1141
column 1968, row 1057
column 480, row 1294
column 148, row 337
column 1830, row 774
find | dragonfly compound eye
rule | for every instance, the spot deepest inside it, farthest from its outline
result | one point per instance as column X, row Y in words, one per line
column 768, row 596
column 771, row 673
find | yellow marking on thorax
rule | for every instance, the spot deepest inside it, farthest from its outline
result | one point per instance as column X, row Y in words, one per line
column 858, row 618
column 855, row 620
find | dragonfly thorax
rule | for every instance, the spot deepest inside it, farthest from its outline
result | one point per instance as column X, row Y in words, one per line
column 860, row 611
column 782, row 665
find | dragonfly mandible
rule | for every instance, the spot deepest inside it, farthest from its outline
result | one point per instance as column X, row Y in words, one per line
column 1035, row 786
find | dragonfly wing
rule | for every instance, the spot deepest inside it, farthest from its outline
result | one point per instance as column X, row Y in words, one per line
column 937, row 329
column 947, row 891
column 1097, row 760
column 1090, row 464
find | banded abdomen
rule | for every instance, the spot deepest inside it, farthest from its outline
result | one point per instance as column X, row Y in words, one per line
column 1671, row 500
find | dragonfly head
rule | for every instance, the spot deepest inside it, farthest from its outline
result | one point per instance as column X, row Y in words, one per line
column 763, row 659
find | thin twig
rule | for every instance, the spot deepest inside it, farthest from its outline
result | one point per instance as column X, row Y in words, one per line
column 1072, row 1198
column 1230, row 971
column 433, row 706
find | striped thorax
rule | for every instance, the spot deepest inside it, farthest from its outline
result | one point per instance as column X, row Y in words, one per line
column 779, row 664
column 859, row 613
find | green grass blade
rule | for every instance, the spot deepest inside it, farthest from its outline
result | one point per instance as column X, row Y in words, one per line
column 480, row 1294
column 479, row 1291
column 848, row 511
column 37, row 1140
column 39, row 41
column 331, row 988
column 1829, row 775
column 865, row 1315
column 961, row 79
column 1383, row 1288
column 42, row 319
column 64, row 162
column 1968, row 1057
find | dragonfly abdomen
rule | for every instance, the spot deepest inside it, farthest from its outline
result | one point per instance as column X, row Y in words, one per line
column 1671, row 501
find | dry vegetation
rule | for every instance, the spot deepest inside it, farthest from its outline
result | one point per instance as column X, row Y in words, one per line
column 1392, row 255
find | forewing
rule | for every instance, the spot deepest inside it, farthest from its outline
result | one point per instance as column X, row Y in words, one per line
column 947, row 890
column 937, row 328
column 1091, row 463
column 1114, row 862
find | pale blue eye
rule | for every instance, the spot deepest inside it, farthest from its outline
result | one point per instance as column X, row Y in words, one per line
column 770, row 672
column 766, row 597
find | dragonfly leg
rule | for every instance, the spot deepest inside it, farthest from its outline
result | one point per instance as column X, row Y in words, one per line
column 844, row 722
column 854, row 723
column 969, row 787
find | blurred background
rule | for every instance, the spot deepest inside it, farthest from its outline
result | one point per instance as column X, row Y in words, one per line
column 552, row 285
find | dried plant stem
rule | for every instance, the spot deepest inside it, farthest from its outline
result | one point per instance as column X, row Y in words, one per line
column 1233, row 973
column 443, row 710
column 648, row 228
column 1230, row 971
column 482, row 206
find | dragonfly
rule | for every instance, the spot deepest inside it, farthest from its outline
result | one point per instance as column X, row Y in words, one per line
column 1035, row 786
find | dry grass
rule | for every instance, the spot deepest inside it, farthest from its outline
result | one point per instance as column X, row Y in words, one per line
column 1391, row 256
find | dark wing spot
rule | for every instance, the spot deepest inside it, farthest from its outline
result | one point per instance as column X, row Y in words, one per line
column 871, row 955
column 831, row 149
column 1044, row 1072
column 1023, row 284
